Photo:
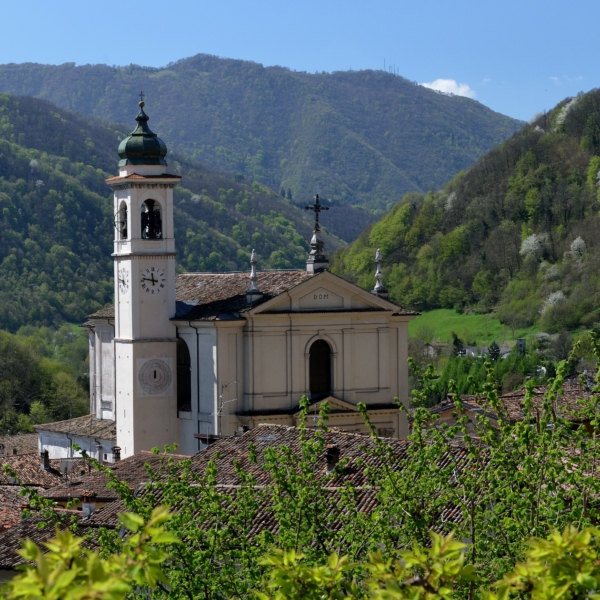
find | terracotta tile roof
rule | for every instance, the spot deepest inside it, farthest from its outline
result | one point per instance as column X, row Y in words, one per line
column 131, row 470
column 30, row 473
column 10, row 540
column 25, row 443
column 236, row 451
column 352, row 446
column 209, row 296
column 136, row 176
column 108, row 312
column 88, row 425
column 568, row 404
column 11, row 505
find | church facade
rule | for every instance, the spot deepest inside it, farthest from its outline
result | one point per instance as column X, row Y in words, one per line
column 192, row 357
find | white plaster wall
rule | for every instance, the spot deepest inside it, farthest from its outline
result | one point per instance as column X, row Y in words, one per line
column 92, row 367
column 144, row 420
column 102, row 371
column 59, row 445
column 207, row 365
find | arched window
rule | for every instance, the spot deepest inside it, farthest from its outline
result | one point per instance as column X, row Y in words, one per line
column 184, row 377
column 320, row 370
column 151, row 220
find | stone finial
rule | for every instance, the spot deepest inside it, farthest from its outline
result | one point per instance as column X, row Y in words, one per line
column 253, row 277
column 379, row 289
column 317, row 261
column 253, row 294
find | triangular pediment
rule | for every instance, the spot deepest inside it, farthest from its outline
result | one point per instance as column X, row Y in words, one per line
column 335, row 405
column 325, row 292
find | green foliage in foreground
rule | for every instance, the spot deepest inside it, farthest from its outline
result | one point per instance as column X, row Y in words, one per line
column 70, row 572
column 493, row 484
column 563, row 566
column 516, row 231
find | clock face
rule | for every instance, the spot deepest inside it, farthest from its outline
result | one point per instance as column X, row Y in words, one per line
column 153, row 280
column 123, row 280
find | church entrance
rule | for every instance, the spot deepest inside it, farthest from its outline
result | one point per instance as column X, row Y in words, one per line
column 184, row 377
column 320, row 370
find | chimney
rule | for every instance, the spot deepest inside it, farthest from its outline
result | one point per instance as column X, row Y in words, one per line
column 99, row 451
column 242, row 429
column 44, row 460
column 116, row 453
column 333, row 458
column 88, row 503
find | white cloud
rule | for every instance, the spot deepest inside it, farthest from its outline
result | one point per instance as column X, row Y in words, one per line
column 486, row 80
column 450, row 86
column 555, row 80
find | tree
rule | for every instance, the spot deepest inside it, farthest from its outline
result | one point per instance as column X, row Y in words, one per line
column 494, row 351
column 458, row 345
column 72, row 572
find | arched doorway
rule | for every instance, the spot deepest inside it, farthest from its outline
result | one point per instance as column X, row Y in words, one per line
column 320, row 370
column 184, row 377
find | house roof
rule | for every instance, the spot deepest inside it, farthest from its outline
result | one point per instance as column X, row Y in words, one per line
column 11, row 505
column 232, row 455
column 10, row 540
column 30, row 473
column 237, row 450
column 212, row 296
column 136, row 176
column 132, row 470
column 88, row 425
column 568, row 403
column 24, row 443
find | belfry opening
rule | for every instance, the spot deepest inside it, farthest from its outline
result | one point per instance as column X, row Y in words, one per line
column 151, row 220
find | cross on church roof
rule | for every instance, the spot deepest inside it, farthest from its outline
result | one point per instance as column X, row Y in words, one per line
column 317, row 208
column 142, row 96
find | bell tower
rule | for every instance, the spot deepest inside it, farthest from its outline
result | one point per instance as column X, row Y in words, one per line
column 145, row 408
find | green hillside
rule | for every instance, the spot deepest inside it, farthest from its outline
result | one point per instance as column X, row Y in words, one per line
column 364, row 138
column 516, row 233
column 56, row 215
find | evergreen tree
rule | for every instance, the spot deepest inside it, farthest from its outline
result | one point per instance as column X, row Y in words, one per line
column 459, row 347
column 494, row 351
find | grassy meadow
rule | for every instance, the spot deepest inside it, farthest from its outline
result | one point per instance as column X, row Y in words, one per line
column 483, row 329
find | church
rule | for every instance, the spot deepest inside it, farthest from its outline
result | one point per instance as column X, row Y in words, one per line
column 194, row 357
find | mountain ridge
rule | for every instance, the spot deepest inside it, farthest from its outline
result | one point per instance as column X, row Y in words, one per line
column 56, row 215
column 302, row 132
column 515, row 233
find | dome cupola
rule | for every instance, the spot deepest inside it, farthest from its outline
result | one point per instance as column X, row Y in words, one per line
column 142, row 146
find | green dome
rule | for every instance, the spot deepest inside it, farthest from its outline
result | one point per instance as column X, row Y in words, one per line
column 141, row 146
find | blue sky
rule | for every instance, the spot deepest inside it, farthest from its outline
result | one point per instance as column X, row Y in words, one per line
column 517, row 57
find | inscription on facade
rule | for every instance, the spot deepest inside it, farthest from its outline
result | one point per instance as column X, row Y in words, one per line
column 321, row 298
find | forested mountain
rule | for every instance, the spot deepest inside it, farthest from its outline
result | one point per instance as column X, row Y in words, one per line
column 56, row 216
column 517, row 231
column 364, row 138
